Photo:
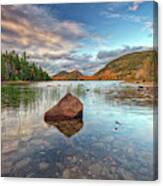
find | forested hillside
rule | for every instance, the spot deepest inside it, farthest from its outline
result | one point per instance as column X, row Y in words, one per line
column 138, row 66
column 16, row 67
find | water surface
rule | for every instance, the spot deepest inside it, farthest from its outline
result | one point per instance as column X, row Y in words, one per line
column 114, row 141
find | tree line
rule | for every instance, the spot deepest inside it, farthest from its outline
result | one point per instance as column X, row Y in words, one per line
column 17, row 67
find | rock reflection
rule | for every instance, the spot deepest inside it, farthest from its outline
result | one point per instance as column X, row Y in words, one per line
column 67, row 127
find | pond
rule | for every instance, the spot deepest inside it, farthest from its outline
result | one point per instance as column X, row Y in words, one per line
column 114, row 140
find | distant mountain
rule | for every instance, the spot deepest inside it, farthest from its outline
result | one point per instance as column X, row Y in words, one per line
column 63, row 75
column 137, row 66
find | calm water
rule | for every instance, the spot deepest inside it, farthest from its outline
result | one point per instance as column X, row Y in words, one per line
column 114, row 141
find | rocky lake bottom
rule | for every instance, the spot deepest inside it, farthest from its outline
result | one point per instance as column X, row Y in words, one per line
column 115, row 139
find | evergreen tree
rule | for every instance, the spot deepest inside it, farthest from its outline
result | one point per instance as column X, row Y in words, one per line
column 15, row 67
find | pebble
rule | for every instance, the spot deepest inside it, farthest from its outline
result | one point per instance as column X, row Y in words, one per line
column 130, row 151
column 43, row 166
column 59, row 165
column 22, row 150
column 113, row 169
column 37, row 142
column 6, row 167
column 114, row 163
column 74, row 159
column 98, row 145
column 66, row 173
column 81, row 160
column 30, row 175
column 115, row 129
column 126, row 175
column 118, row 123
column 26, row 138
column 10, row 147
column 57, row 173
column 74, row 169
column 42, row 153
column 95, row 169
column 22, row 163
column 58, row 152
column 108, row 139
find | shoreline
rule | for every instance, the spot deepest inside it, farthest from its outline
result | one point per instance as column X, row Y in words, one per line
column 139, row 83
column 145, row 84
column 16, row 82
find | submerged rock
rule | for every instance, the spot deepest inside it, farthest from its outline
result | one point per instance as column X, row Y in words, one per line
column 66, row 173
column 125, row 175
column 118, row 123
column 69, row 107
column 97, row 169
column 43, row 166
column 10, row 146
column 22, row 163
column 6, row 167
column 115, row 129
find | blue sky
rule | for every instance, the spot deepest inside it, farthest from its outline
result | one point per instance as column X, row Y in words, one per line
column 81, row 37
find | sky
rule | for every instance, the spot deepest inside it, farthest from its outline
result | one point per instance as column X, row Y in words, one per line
column 82, row 37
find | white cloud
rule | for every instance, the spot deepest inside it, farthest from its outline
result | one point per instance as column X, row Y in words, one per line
column 30, row 27
column 148, row 25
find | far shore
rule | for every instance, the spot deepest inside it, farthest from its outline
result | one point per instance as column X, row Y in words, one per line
column 16, row 82
column 21, row 82
column 145, row 84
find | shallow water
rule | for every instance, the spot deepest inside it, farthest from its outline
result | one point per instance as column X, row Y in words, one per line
column 115, row 140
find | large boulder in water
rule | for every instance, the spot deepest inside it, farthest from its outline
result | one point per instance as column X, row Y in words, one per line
column 69, row 107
